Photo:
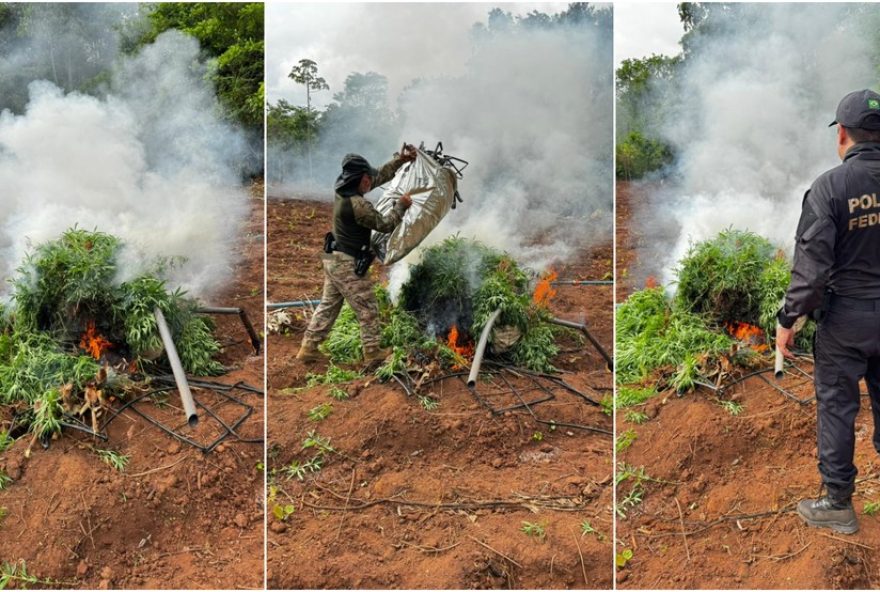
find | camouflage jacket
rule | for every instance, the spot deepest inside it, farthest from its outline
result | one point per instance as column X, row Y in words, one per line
column 354, row 217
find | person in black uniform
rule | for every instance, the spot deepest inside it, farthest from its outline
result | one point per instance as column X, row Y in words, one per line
column 836, row 279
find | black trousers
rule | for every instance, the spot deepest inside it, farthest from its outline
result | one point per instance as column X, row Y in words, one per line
column 847, row 349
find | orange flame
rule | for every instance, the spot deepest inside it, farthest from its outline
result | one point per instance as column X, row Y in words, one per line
column 93, row 342
column 465, row 350
column 544, row 291
column 651, row 282
column 749, row 334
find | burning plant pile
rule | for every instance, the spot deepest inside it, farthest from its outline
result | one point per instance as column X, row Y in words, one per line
column 444, row 306
column 73, row 335
column 722, row 316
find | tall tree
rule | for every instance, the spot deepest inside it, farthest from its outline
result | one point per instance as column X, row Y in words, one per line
column 306, row 73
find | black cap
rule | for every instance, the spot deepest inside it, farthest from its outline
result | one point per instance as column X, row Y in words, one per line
column 353, row 168
column 859, row 109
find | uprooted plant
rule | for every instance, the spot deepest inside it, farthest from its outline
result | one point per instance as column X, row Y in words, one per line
column 73, row 334
column 444, row 305
column 722, row 316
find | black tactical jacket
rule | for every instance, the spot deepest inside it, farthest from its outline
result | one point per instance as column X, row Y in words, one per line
column 838, row 236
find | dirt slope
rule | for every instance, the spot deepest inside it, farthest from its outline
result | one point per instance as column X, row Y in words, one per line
column 176, row 518
column 352, row 526
column 719, row 469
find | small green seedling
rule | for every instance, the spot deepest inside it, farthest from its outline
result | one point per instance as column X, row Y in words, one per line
column 282, row 513
column 607, row 404
column 732, row 407
column 5, row 480
column 428, row 403
column 321, row 412
column 537, row 436
column 622, row 558
column 533, row 529
column 340, row 394
column 322, row 444
column 587, row 528
column 5, row 441
column 299, row 469
column 116, row 460
column 625, row 440
column 15, row 575
column 636, row 417
column 871, row 508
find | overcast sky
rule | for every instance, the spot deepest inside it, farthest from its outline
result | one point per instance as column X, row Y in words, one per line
column 641, row 29
column 401, row 41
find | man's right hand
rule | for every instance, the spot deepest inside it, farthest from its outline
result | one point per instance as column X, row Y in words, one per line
column 785, row 340
column 405, row 200
column 409, row 152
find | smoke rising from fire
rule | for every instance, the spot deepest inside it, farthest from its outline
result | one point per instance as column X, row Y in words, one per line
column 533, row 115
column 149, row 160
column 750, row 120
column 531, row 110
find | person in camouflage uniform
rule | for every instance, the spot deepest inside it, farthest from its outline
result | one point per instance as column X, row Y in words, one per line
column 354, row 218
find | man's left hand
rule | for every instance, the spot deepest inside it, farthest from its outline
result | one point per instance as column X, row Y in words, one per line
column 785, row 340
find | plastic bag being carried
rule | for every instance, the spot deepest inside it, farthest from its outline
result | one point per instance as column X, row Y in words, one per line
column 432, row 189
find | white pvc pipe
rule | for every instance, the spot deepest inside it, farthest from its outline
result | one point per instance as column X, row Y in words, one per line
column 481, row 349
column 778, row 370
column 189, row 406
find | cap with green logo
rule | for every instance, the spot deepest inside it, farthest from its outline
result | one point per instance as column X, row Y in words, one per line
column 859, row 109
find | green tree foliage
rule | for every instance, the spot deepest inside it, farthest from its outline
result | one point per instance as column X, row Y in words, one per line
column 306, row 73
column 71, row 45
column 643, row 93
column 289, row 129
column 577, row 14
column 231, row 35
column 362, row 108
column 638, row 155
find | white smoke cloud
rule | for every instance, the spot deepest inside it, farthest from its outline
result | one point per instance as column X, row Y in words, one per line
column 751, row 124
column 151, row 162
column 533, row 115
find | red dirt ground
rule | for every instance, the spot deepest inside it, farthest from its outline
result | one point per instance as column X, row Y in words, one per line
column 175, row 518
column 718, row 468
column 351, row 527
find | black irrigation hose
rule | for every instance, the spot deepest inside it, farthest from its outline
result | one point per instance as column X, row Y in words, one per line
column 525, row 404
column 76, row 425
column 609, row 361
column 256, row 344
column 220, row 389
column 210, row 384
column 406, row 389
column 720, row 390
column 786, row 393
column 444, row 377
column 556, row 379
column 550, row 422
column 476, row 395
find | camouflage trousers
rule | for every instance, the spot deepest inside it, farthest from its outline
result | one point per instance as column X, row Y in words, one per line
column 342, row 284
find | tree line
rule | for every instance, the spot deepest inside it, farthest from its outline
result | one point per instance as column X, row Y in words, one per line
column 74, row 46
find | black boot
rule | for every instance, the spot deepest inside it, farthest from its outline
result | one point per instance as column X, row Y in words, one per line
column 827, row 512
